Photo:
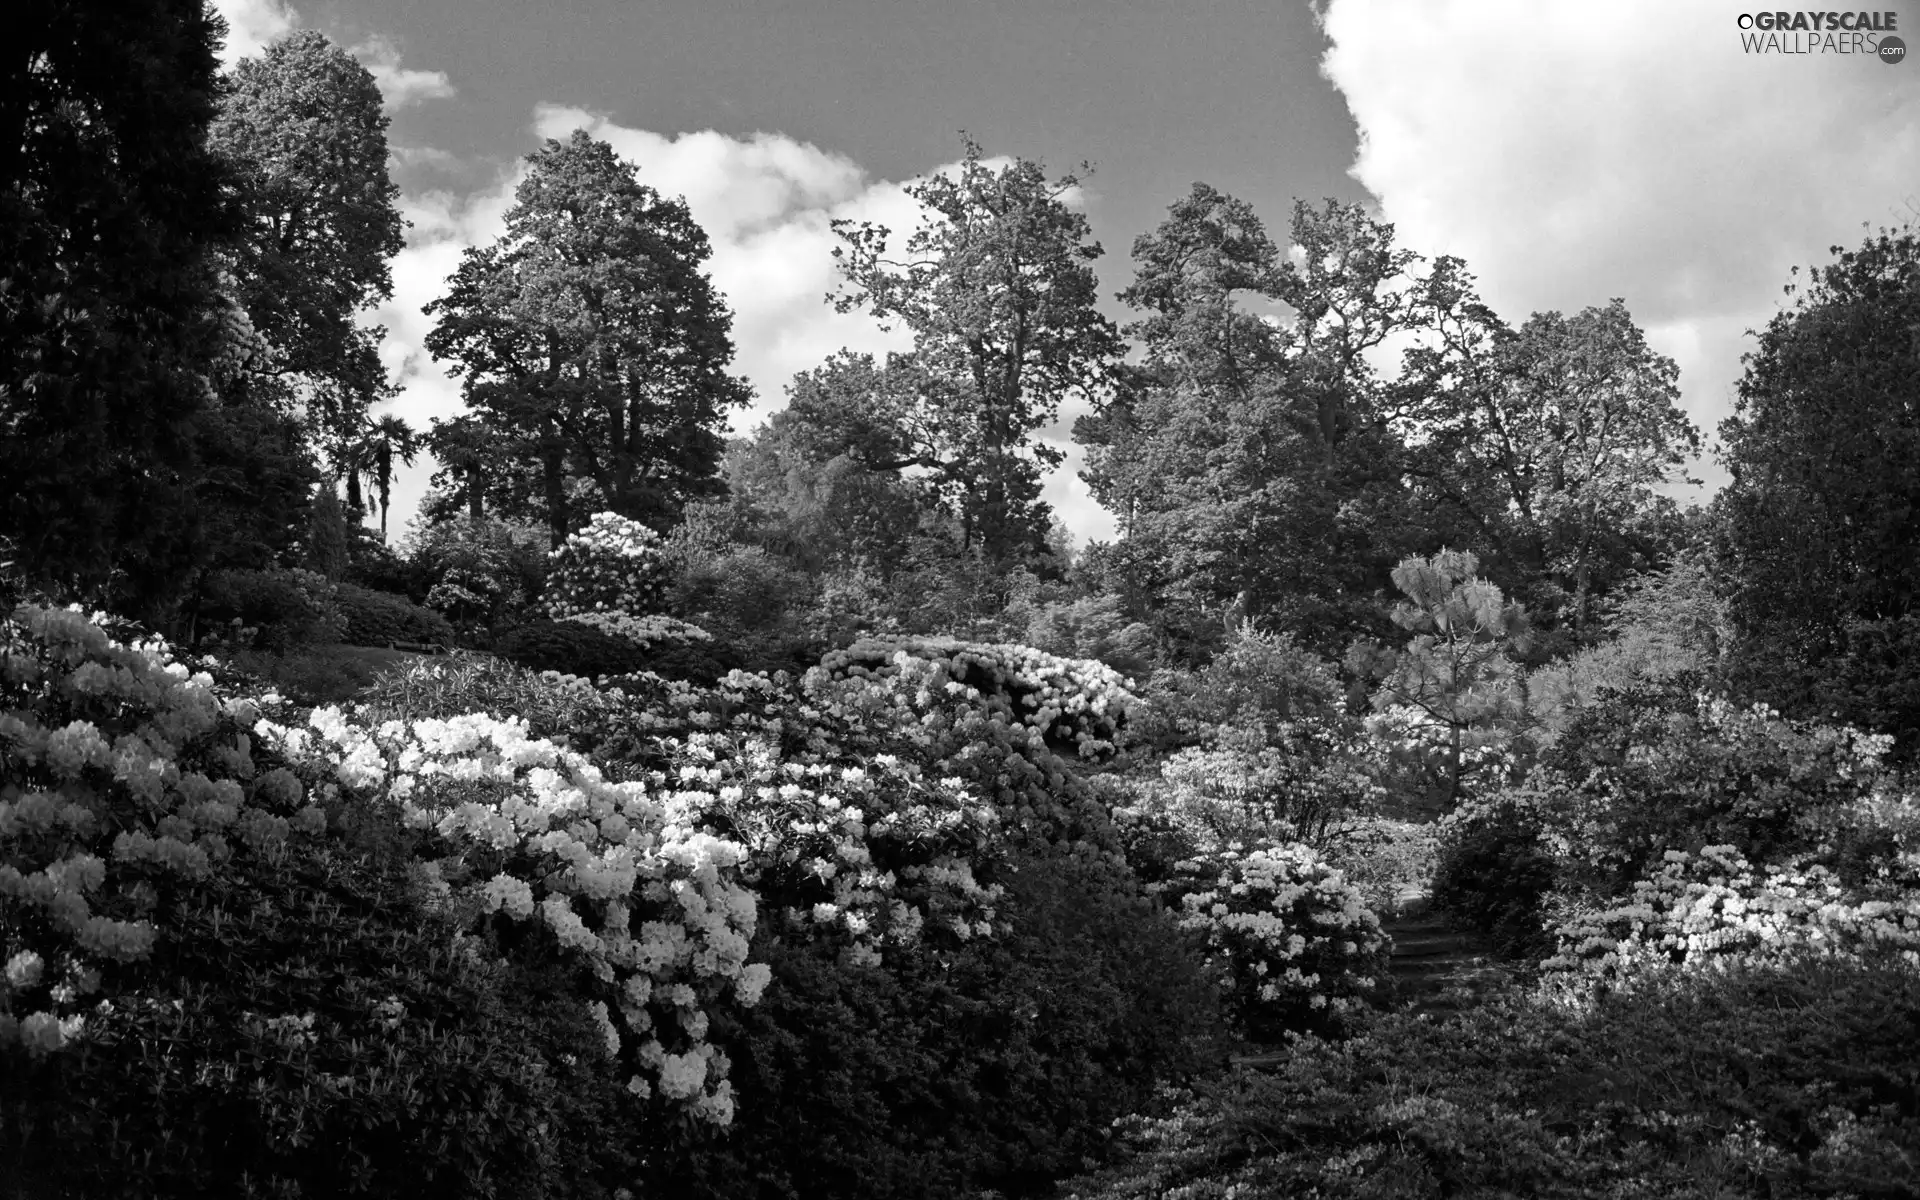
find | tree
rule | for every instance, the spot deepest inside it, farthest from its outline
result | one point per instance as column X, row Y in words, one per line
column 1454, row 691
column 372, row 456
column 997, row 289
column 109, row 315
column 1548, row 446
column 590, row 343
column 1251, row 459
column 1821, row 519
column 303, row 132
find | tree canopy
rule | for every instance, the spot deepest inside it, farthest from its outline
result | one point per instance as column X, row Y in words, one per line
column 590, row 343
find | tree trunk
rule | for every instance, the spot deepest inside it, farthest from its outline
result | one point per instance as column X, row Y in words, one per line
column 552, row 469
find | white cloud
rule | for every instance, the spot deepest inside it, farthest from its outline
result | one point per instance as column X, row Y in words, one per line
column 252, row 25
column 400, row 86
column 1573, row 153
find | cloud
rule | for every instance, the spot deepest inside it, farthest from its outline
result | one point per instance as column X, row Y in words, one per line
column 400, row 86
column 252, row 25
column 1573, row 153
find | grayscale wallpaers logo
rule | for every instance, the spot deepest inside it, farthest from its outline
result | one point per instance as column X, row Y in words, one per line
column 1869, row 34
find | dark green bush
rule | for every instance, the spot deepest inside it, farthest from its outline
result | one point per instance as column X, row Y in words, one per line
column 488, row 1079
column 1777, row 1084
column 1493, row 876
column 380, row 618
column 571, row 649
column 997, row 1065
column 286, row 608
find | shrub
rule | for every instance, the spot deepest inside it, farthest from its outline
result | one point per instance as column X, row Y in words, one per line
column 1656, row 769
column 1073, row 704
column 613, row 565
column 739, row 591
column 480, row 573
column 1493, row 874
column 571, row 649
column 1760, row 1082
column 1298, row 949
column 285, row 608
column 1714, row 908
column 323, row 1036
column 380, row 619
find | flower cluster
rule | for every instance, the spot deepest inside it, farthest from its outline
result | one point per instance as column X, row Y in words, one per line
column 613, row 565
column 118, row 769
column 641, row 630
column 1073, row 703
column 654, row 906
column 1298, row 947
column 1714, row 909
column 875, row 854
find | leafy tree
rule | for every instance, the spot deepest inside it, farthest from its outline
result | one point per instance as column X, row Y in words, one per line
column 1252, row 460
column 1547, row 447
column 590, row 343
column 109, row 313
column 302, row 130
column 1822, row 515
column 998, row 291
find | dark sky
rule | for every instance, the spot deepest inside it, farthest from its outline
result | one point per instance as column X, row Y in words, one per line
column 1155, row 95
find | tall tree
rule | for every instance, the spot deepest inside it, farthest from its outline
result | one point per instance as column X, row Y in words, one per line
column 380, row 445
column 303, row 132
column 1251, row 458
column 1822, row 517
column 997, row 288
column 590, row 342
column 1547, row 448
column 109, row 316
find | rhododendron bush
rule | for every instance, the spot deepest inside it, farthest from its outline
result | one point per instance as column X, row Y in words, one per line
column 613, row 565
column 119, row 771
column 1075, row 704
column 1301, row 952
column 1714, row 908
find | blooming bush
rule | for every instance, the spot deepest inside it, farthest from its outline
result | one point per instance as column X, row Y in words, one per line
column 613, row 565
column 119, row 772
column 1301, row 952
column 1715, row 908
column 1073, row 704
column 1658, row 768
column 655, row 908
column 642, row 631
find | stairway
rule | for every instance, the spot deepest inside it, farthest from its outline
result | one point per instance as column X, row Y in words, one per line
column 1437, row 970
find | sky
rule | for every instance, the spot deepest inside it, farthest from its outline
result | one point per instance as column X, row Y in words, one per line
column 1569, row 154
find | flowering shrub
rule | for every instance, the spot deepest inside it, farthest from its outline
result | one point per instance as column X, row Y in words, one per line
column 119, row 772
column 642, row 631
column 1073, row 704
column 1660, row 769
column 1301, row 951
column 655, row 908
column 613, row 565
column 1714, row 908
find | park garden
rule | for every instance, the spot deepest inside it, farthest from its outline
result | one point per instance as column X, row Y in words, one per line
column 807, row 814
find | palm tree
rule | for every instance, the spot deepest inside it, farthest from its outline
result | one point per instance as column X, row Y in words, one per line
column 385, row 440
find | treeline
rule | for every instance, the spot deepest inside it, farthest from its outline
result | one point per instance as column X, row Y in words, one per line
column 1283, row 421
